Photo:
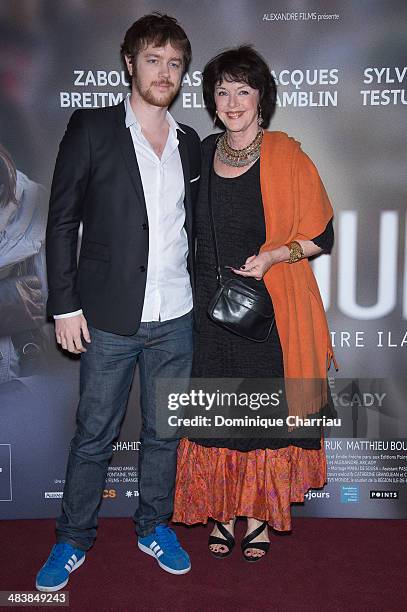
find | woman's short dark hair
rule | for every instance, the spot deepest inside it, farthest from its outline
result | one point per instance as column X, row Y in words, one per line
column 241, row 64
column 8, row 178
column 156, row 29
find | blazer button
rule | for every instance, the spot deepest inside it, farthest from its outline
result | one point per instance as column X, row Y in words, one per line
column 144, row 226
column 142, row 268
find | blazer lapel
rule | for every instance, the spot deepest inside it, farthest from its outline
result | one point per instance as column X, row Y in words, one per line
column 127, row 149
column 183, row 151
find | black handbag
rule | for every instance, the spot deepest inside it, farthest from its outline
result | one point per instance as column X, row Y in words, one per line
column 238, row 306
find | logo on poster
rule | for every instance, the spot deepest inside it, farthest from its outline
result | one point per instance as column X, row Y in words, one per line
column 350, row 494
column 53, row 494
column 294, row 16
column 384, row 494
column 317, row 495
column 109, row 494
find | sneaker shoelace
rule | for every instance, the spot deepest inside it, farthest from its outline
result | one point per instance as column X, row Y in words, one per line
column 167, row 536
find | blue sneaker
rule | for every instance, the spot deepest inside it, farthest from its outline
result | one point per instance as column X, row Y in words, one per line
column 163, row 545
column 63, row 560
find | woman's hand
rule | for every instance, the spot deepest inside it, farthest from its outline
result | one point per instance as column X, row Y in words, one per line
column 256, row 266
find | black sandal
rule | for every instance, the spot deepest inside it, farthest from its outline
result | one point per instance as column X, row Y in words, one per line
column 246, row 543
column 228, row 540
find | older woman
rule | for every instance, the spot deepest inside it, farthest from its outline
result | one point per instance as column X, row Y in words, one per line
column 271, row 213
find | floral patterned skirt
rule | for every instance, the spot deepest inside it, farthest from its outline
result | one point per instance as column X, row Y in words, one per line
column 220, row 483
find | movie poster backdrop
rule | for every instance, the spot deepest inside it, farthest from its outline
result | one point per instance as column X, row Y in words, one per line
column 341, row 72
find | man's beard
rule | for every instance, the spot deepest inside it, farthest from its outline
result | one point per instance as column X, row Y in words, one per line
column 147, row 95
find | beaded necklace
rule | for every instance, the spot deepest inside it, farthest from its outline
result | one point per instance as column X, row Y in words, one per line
column 239, row 157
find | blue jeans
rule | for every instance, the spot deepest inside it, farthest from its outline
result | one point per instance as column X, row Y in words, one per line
column 163, row 349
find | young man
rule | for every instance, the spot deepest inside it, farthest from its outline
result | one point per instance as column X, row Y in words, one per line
column 130, row 173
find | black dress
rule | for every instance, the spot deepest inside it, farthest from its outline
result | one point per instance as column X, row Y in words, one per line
column 240, row 228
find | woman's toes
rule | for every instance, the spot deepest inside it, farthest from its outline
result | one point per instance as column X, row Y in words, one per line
column 250, row 552
column 217, row 548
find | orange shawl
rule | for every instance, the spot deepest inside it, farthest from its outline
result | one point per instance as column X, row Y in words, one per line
column 296, row 207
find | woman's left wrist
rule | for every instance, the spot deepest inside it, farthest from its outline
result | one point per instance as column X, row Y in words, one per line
column 280, row 255
column 270, row 258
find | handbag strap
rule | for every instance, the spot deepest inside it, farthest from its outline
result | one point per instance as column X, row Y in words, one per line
column 212, row 223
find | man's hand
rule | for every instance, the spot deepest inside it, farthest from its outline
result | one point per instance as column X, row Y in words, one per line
column 69, row 332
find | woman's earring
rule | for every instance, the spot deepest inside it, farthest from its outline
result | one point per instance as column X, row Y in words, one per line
column 260, row 117
column 215, row 118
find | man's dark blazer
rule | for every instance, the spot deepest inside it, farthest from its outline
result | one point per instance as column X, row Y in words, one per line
column 97, row 181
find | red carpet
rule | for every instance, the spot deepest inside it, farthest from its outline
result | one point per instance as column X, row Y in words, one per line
column 324, row 564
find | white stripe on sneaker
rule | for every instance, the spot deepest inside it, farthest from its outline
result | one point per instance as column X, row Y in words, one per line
column 68, row 568
column 156, row 548
column 75, row 558
column 167, row 567
column 153, row 544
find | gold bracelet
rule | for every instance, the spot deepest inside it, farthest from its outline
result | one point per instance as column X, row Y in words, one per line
column 296, row 251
